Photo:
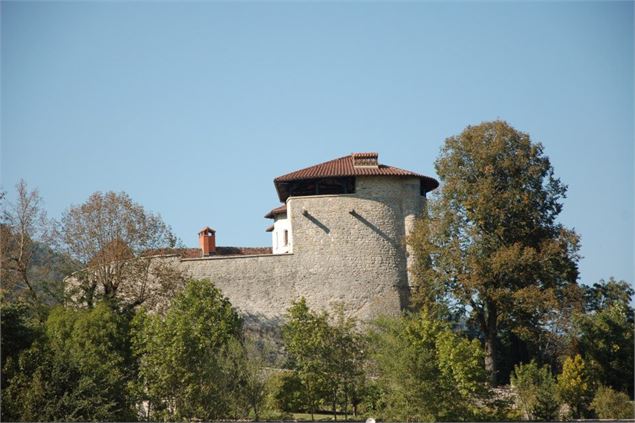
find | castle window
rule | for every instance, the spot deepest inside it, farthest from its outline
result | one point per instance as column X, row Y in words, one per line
column 286, row 238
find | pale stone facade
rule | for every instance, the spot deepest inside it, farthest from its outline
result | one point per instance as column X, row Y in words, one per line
column 345, row 249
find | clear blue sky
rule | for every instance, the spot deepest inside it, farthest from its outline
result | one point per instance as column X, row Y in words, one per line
column 194, row 108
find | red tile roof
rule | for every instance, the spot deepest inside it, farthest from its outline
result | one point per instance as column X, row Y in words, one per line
column 367, row 165
column 278, row 210
column 220, row 251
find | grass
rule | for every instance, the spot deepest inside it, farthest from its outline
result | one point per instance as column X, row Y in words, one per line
column 320, row 417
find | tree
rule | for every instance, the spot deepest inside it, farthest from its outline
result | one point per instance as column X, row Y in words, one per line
column 604, row 333
column 535, row 389
column 328, row 357
column 603, row 294
column 427, row 372
column 110, row 235
column 304, row 335
column 23, row 222
column 80, row 370
column 188, row 359
column 254, row 382
column 20, row 327
column 575, row 386
column 491, row 243
column 344, row 359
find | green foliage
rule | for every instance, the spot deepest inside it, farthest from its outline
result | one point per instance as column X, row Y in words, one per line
column 328, row 359
column 610, row 404
column 286, row 392
column 80, row 370
column 604, row 294
column 575, row 386
column 20, row 328
column 190, row 359
column 536, row 392
column 491, row 243
column 605, row 333
column 344, row 359
column 427, row 372
column 305, row 335
column 255, row 380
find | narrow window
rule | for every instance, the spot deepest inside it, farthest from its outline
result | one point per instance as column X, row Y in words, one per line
column 286, row 238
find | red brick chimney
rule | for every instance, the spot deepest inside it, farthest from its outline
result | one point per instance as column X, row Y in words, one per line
column 207, row 241
column 365, row 159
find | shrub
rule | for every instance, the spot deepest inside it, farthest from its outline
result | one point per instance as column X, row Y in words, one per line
column 285, row 392
column 611, row 404
column 535, row 389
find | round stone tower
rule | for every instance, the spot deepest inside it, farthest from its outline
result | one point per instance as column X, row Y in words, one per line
column 345, row 221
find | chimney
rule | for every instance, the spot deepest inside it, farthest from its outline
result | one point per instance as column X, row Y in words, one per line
column 207, row 241
column 365, row 160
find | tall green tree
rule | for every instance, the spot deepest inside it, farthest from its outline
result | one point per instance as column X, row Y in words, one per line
column 345, row 358
column 305, row 336
column 328, row 356
column 189, row 358
column 491, row 242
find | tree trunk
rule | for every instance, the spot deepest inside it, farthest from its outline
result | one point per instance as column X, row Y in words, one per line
column 491, row 331
column 334, row 408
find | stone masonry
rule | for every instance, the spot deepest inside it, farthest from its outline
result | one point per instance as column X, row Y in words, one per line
column 348, row 249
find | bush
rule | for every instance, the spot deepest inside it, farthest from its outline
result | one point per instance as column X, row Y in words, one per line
column 285, row 392
column 535, row 389
column 610, row 404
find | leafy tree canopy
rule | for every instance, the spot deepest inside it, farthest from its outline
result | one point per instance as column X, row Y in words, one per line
column 109, row 234
column 188, row 358
column 491, row 244
column 427, row 372
column 604, row 334
column 80, row 370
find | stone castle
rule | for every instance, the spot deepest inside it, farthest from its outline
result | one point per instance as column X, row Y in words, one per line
column 338, row 238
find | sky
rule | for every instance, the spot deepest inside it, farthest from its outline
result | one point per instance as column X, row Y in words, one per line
column 193, row 108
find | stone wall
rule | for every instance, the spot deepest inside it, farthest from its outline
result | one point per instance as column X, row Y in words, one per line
column 346, row 249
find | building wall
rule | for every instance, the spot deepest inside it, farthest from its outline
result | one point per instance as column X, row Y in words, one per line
column 347, row 249
column 280, row 225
